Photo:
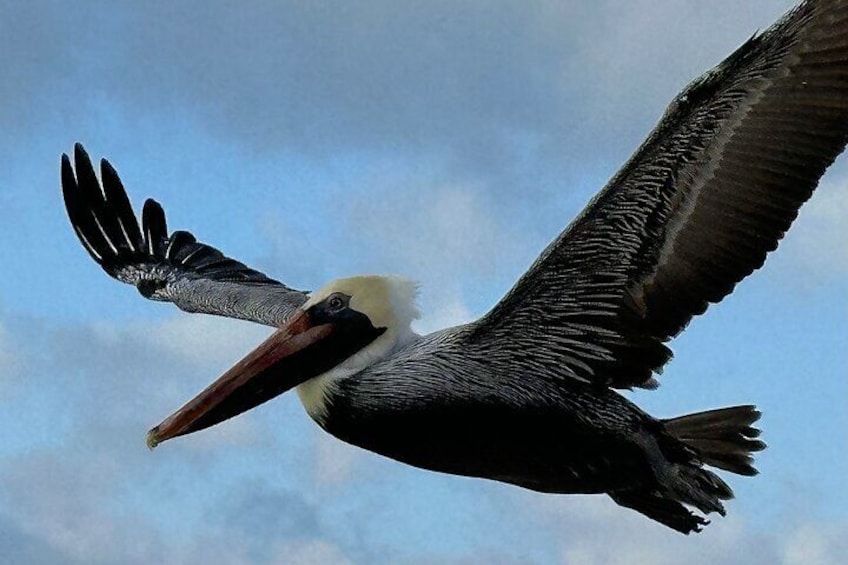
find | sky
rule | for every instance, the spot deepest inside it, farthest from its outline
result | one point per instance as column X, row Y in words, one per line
column 444, row 141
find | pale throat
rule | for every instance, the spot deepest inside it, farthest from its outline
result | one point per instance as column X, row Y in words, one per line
column 315, row 394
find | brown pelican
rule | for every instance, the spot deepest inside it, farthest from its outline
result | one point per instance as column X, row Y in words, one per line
column 527, row 394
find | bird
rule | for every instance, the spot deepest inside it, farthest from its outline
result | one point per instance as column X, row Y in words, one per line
column 531, row 393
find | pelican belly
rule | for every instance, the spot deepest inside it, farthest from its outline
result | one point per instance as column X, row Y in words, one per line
column 548, row 448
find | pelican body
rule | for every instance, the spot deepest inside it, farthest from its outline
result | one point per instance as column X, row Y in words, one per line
column 527, row 394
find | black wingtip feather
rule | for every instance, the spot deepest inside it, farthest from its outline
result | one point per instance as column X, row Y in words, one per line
column 79, row 207
column 155, row 228
column 180, row 245
column 80, row 154
column 120, row 206
column 138, row 252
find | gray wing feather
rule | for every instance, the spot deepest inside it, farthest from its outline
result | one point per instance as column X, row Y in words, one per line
column 694, row 211
column 172, row 268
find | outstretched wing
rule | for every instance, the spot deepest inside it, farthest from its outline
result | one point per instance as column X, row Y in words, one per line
column 172, row 268
column 695, row 210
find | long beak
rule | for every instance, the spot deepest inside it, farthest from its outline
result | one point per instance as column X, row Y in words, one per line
column 280, row 363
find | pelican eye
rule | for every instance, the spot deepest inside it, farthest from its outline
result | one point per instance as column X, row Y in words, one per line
column 336, row 303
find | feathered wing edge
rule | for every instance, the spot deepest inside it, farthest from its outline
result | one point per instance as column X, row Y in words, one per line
column 175, row 268
column 694, row 211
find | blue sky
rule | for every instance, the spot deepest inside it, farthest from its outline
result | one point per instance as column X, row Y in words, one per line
column 448, row 142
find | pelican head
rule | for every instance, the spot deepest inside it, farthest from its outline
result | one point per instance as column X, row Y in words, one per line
column 340, row 330
column 387, row 301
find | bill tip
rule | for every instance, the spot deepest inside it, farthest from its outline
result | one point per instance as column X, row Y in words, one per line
column 153, row 438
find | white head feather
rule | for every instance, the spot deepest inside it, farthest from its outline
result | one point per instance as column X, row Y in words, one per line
column 388, row 301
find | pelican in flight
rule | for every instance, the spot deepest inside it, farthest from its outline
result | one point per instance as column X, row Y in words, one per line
column 527, row 394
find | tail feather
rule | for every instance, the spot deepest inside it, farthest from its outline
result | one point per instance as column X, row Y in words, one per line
column 700, row 488
column 723, row 438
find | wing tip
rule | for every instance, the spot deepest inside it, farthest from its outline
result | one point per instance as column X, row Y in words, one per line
column 105, row 165
column 153, row 203
column 153, row 217
column 69, row 179
column 80, row 154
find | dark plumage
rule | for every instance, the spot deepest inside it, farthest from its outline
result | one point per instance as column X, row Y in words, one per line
column 525, row 395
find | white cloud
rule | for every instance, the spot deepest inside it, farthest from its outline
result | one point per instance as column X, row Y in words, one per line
column 433, row 78
column 816, row 544
column 335, row 461
column 445, row 311
column 198, row 340
column 443, row 235
column 131, row 376
column 61, row 502
column 8, row 360
column 309, row 552
column 819, row 240
column 431, row 230
column 592, row 530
